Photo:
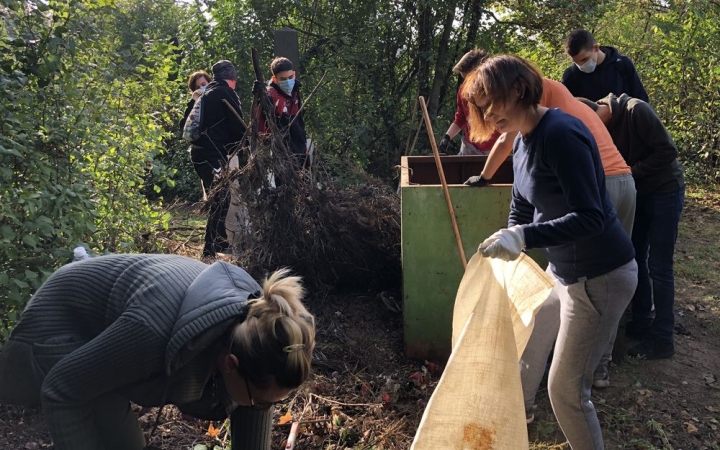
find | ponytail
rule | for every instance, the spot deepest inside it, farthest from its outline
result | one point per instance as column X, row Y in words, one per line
column 274, row 344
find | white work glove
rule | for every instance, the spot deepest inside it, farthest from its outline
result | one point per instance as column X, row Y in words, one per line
column 505, row 244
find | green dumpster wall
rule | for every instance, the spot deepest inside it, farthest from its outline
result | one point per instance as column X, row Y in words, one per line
column 432, row 268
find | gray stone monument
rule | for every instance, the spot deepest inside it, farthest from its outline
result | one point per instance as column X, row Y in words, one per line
column 286, row 44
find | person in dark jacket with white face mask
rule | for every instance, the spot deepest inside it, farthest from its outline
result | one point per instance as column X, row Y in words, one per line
column 598, row 71
column 154, row 330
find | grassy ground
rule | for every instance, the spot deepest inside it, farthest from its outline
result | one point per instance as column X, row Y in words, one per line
column 366, row 395
column 665, row 405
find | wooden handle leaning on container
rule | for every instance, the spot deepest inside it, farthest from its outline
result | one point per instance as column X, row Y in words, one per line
column 441, row 172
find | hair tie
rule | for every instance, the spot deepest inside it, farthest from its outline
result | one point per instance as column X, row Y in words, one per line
column 293, row 348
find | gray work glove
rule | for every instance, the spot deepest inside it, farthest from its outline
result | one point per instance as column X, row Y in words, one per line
column 476, row 181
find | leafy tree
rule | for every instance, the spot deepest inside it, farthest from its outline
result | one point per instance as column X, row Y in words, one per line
column 82, row 122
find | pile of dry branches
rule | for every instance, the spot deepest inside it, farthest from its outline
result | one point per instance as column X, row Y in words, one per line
column 330, row 231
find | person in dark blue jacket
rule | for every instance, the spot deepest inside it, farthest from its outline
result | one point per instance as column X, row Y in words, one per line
column 598, row 71
column 560, row 204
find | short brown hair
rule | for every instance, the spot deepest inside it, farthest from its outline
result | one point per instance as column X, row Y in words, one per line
column 280, row 64
column 578, row 41
column 469, row 61
column 496, row 82
column 195, row 76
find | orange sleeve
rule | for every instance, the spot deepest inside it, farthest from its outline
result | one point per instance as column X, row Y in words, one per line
column 556, row 95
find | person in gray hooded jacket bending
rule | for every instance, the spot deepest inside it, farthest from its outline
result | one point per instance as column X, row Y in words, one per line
column 155, row 330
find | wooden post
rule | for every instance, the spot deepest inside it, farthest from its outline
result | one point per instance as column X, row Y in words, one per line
column 448, row 201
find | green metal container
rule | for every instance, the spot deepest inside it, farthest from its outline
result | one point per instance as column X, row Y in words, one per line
column 432, row 268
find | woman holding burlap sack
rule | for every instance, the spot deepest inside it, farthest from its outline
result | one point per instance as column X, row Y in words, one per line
column 560, row 204
column 155, row 330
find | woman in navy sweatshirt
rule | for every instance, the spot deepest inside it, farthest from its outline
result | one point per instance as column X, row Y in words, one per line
column 559, row 204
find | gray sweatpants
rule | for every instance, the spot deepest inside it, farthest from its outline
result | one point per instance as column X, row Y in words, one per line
column 623, row 196
column 622, row 193
column 582, row 316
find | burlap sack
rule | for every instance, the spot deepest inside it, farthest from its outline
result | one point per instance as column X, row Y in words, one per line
column 478, row 403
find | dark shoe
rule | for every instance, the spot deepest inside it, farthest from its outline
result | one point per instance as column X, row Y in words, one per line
column 651, row 349
column 637, row 330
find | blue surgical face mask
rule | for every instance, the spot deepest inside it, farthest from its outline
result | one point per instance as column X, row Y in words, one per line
column 588, row 67
column 203, row 87
column 287, row 85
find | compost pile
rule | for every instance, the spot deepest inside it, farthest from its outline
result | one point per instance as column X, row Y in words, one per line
column 334, row 225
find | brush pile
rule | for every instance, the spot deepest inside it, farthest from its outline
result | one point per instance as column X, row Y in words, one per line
column 334, row 226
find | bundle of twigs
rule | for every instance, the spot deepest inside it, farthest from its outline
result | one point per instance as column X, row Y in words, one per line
column 328, row 230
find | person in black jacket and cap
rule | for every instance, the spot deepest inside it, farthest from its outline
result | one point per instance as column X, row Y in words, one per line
column 156, row 330
column 222, row 131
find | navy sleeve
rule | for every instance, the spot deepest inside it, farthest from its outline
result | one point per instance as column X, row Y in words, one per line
column 521, row 210
column 649, row 128
column 571, row 154
column 636, row 88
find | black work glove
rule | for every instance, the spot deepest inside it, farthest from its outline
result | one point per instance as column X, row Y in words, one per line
column 442, row 148
column 476, row 181
column 259, row 87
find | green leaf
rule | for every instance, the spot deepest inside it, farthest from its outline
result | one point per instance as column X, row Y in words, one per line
column 30, row 275
column 29, row 240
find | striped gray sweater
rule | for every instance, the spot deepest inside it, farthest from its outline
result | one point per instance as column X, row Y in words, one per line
column 148, row 327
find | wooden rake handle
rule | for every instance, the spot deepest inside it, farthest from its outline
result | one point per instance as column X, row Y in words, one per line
column 448, row 201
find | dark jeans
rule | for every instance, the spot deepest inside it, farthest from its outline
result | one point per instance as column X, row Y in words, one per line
column 654, row 234
column 210, row 170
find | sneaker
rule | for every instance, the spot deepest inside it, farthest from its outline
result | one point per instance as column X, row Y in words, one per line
column 651, row 349
column 601, row 377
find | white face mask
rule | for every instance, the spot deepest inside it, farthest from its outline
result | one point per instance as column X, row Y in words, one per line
column 588, row 67
column 203, row 87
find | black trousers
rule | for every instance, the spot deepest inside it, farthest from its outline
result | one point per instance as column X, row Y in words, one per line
column 210, row 170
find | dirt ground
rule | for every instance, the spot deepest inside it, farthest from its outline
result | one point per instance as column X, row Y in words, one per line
column 366, row 395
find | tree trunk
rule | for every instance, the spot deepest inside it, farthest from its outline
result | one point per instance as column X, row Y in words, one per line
column 441, row 70
column 425, row 50
column 474, row 24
